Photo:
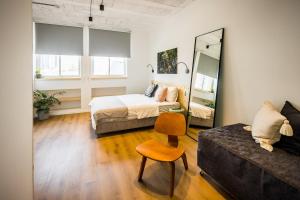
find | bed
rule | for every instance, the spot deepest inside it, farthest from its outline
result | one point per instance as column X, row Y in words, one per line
column 201, row 115
column 123, row 112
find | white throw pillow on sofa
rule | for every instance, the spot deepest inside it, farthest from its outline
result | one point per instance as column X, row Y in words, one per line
column 172, row 94
column 266, row 126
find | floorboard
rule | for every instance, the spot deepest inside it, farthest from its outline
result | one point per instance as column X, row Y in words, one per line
column 70, row 162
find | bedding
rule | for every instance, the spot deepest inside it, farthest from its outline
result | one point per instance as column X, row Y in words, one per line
column 161, row 94
column 108, row 107
column 150, row 91
column 127, row 107
column 172, row 94
column 201, row 111
column 140, row 105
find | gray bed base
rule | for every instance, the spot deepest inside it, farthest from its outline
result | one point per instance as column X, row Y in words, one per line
column 126, row 124
column 196, row 121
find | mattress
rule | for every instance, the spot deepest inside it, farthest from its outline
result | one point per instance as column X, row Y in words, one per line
column 163, row 107
column 127, row 107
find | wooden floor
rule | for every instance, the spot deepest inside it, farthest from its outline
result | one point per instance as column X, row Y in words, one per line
column 193, row 132
column 71, row 163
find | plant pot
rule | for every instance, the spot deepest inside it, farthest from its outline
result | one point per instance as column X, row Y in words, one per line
column 38, row 76
column 43, row 115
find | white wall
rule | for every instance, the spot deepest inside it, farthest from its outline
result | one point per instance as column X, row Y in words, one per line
column 136, row 82
column 16, row 100
column 261, row 51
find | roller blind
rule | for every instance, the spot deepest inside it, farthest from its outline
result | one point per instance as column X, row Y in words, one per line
column 58, row 40
column 109, row 43
column 208, row 66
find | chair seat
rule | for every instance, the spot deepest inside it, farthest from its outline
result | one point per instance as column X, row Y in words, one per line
column 158, row 151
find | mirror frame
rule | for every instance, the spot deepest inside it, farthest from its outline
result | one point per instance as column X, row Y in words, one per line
column 219, row 78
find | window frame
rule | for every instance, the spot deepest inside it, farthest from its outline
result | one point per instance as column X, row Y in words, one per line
column 60, row 76
column 213, row 84
column 109, row 76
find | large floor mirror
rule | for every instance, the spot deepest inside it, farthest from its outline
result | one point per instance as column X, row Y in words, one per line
column 204, row 82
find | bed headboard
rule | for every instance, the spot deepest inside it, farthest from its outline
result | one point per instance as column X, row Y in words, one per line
column 182, row 99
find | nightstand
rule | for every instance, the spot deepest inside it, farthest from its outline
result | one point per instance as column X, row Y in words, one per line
column 177, row 110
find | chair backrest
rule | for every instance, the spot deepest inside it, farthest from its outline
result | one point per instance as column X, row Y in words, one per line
column 171, row 124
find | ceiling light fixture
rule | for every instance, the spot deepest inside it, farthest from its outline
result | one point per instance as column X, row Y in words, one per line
column 102, row 6
column 90, row 17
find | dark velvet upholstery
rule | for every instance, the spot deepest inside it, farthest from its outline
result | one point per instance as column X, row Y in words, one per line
column 291, row 144
column 231, row 157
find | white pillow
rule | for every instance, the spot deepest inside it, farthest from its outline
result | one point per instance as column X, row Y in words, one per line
column 161, row 94
column 172, row 94
column 266, row 126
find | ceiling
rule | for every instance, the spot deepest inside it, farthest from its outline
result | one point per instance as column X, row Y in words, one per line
column 122, row 15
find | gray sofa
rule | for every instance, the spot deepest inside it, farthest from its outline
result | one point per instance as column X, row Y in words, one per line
column 230, row 156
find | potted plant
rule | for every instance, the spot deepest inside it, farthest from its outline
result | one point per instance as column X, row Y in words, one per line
column 42, row 101
column 211, row 105
column 38, row 74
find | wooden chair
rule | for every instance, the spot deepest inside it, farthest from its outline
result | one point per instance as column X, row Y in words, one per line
column 173, row 125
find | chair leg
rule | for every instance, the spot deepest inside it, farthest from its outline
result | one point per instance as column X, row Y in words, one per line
column 172, row 177
column 143, row 163
column 184, row 159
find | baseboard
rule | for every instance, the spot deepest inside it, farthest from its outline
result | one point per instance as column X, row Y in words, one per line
column 68, row 111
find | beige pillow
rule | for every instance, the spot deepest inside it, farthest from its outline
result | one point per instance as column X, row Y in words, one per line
column 266, row 126
column 172, row 94
column 161, row 94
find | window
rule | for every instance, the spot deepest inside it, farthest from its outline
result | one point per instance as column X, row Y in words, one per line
column 109, row 66
column 205, row 83
column 58, row 65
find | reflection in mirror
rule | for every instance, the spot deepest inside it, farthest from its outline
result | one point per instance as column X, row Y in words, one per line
column 204, row 82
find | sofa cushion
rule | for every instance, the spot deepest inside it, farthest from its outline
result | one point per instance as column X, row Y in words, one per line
column 266, row 126
column 291, row 144
column 248, row 171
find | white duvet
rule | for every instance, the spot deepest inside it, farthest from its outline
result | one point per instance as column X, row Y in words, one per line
column 140, row 105
column 201, row 111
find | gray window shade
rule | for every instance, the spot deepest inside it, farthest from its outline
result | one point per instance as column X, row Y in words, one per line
column 109, row 43
column 208, row 66
column 58, row 40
